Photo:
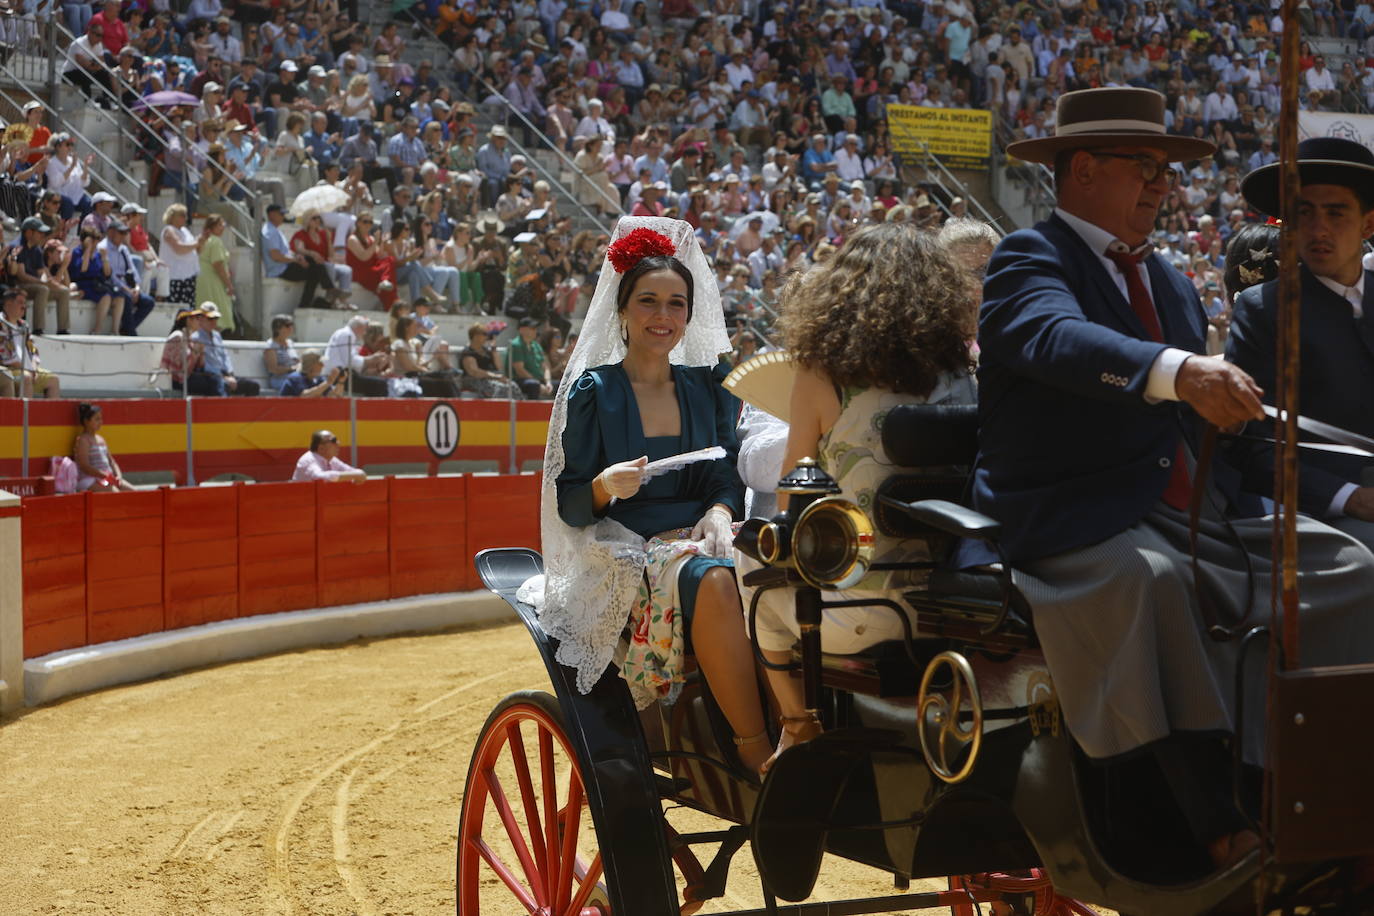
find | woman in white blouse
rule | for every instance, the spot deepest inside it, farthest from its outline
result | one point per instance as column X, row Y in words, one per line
column 180, row 251
column 69, row 175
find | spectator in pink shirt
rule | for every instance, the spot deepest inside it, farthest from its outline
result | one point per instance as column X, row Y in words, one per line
column 116, row 35
column 322, row 461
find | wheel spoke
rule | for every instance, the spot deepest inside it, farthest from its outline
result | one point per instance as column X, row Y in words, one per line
column 549, row 784
column 517, row 839
column 588, row 885
column 504, row 873
column 536, row 836
column 572, row 822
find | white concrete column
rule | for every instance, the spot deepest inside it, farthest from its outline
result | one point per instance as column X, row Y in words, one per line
column 11, row 606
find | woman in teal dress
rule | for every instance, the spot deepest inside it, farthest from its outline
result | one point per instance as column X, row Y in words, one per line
column 620, row 416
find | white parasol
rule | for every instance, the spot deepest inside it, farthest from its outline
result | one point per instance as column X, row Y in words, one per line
column 770, row 222
column 322, row 198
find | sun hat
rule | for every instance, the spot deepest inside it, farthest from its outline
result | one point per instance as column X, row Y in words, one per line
column 1321, row 160
column 1090, row 118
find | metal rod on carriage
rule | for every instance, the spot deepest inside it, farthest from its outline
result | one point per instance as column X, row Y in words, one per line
column 1287, row 361
column 809, row 619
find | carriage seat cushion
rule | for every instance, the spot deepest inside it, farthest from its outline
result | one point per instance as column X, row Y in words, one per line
column 931, row 435
column 964, row 590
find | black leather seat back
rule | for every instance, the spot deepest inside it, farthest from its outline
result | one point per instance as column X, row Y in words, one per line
column 937, row 441
column 931, row 435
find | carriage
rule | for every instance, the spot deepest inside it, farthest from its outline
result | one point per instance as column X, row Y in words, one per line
column 943, row 757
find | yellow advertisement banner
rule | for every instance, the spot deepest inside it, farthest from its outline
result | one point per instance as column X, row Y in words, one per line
column 960, row 137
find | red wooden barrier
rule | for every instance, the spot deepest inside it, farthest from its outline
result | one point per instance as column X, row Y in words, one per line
column 429, row 540
column 276, row 547
column 201, row 563
column 124, row 565
column 99, row 567
column 54, row 543
column 353, row 539
column 502, row 512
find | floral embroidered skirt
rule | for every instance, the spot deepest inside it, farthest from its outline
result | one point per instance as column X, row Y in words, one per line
column 660, row 621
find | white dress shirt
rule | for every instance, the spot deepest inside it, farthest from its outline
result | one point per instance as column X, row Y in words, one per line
column 313, row 466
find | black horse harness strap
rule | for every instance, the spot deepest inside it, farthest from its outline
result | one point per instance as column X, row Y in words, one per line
column 1212, row 613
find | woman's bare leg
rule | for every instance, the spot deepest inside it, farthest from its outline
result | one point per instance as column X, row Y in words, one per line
column 726, row 658
column 798, row 726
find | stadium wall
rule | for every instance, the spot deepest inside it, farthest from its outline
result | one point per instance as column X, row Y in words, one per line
column 103, row 567
column 263, row 437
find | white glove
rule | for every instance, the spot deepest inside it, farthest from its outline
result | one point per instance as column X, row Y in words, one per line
column 624, row 479
column 715, row 533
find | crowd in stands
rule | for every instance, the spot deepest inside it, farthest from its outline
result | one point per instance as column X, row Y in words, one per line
column 763, row 123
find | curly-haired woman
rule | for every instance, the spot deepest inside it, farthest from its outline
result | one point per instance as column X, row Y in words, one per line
column 886, row 320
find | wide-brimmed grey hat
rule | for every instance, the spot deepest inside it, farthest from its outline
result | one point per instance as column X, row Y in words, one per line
column 1090, row 118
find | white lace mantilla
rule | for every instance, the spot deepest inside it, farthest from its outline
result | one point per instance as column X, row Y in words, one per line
column 593, row 573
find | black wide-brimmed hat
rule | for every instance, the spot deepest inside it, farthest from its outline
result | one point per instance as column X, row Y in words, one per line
column 1090, row 118
column 1321, row 160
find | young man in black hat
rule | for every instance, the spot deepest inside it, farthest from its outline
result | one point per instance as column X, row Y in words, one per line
column 1335, row 216
column 1091, row 386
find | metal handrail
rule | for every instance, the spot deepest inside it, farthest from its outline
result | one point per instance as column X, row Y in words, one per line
column 254, row 239
column 945, row 179
column 100, row 154
column 533, row 162
column 548, row 143
column 123, row 84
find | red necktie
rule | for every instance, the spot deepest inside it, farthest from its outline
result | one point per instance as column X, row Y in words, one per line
column 1179, row 491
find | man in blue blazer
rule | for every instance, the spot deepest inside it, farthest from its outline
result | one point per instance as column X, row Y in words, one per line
column 1091, row 386
column 1336, row 385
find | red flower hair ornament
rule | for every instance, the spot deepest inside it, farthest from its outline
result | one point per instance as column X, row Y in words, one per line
column 636, row 246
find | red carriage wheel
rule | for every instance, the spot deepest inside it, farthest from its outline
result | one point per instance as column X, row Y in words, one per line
column 1034, row 884
column 526, row 842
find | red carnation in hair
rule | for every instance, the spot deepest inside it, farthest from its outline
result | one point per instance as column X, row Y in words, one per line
column 640, row 244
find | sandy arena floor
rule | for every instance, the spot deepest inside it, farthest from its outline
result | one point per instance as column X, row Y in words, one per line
column 317, row 782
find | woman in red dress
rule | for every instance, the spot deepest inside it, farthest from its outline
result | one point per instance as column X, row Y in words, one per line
column 315, row 242
column 370, row 267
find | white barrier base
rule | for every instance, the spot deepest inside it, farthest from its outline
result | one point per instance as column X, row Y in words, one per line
column 60, row 674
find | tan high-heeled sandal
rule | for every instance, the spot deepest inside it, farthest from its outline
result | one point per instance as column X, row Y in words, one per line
column 795, row 730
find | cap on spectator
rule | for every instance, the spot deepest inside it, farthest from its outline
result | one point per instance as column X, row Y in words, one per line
column 290, row 66
column 209, row 309
column 497, row 131
column 922, row 201
column 539, row 41
column 594, row 103
column 35, row 224
column 131, row 207
column 117, row 226
column 654, row 87
column 525, row 238
column 438, row 105
column 383, row 60
column 104, row 197
column 828, row 13
column 232, row 125
column 732, row 178
column 517, row 158
column 466, row 179
column 465, row 108
column 663, row 185
column 535, row 215
column 317, row 70
column 831, row 176
column 212, row 86
column 31, row 105
column 714, row 176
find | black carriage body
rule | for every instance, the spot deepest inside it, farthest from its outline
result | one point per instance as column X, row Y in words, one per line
column 1032, row 800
